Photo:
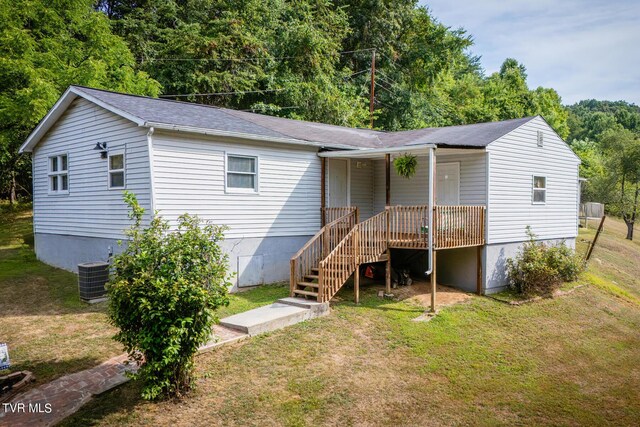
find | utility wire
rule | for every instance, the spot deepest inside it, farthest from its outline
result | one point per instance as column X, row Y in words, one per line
column 385, row 76
column 250, row 58
column 356, row 73
column 277, row 108
column 239, row 92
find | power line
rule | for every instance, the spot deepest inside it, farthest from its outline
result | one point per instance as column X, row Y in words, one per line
column 356, row 73
column 277, row 108
column 395, row 64
column 251, row 58
column 239, row 92
column 385, row 76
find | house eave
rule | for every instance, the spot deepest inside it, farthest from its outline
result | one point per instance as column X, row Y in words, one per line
column 368, row 153
column 240, row 135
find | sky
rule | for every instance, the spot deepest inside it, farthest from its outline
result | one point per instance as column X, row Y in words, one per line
column 584, row 49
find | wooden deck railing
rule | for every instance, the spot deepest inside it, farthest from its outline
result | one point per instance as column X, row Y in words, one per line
column 408, row 227
column 455, row 226
column 364, row 243
column 331, row 214
column 343, row 244
column 321, row 245
column 458, row 226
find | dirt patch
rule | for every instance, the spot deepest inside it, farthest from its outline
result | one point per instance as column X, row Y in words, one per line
column 420, row 293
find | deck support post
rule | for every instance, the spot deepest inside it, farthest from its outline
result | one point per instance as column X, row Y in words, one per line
column 479, row 270
column 323, row 195
column 356, row 284
column 433, row 284
column 387, row 178
column 387, row 273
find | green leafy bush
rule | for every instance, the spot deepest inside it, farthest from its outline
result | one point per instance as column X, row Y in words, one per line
column 540, row 269
column 163, row 292
column 405, row 165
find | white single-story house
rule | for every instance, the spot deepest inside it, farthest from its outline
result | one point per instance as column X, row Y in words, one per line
column 306, row 202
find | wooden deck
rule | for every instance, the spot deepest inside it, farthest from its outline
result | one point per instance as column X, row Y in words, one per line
column 325, row 263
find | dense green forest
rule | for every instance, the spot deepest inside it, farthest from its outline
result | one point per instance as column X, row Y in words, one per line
column 309, row 59
column 606, row 136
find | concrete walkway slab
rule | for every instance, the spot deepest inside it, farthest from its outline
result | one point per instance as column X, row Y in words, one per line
column 267, row 318
column 280, row 314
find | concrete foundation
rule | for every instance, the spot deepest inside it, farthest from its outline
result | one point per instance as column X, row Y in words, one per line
column 254, row 260
column 457, row 267
column 495, row 261
column 258, row 261
column 67, row 252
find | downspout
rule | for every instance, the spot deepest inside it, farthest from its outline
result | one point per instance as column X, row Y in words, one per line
column 430, row 212
column 151, row 180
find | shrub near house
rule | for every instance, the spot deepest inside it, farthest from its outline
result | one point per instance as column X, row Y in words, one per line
column 164, row 291
column 540, row 269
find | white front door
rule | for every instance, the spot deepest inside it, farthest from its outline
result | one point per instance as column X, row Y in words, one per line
column 448, row 183
column 338, row 183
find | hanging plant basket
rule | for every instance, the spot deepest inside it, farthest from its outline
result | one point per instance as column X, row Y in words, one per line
column 405, row 165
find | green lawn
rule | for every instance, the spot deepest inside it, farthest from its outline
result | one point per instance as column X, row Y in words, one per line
column 48, row 329
column 572, row 360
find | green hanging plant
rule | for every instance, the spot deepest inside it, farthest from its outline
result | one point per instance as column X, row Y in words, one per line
column 405, row 165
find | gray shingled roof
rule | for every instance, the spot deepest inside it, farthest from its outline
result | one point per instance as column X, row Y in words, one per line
column 187, row 114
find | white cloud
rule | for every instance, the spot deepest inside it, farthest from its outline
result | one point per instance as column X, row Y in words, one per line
column 583, row 49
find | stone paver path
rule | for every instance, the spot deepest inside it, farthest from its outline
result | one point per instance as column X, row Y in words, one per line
column 50, row 403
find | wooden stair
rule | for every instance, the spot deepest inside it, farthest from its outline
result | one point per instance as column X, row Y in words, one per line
column 309, row 281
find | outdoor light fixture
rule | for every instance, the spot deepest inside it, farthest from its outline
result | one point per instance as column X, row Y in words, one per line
column 102, row 146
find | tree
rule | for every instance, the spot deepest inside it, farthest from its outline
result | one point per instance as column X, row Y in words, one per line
column 45, row 47
column 588, row 119
column 266, row 56
column 600, row 184
column 622, row 148
column 163, row 293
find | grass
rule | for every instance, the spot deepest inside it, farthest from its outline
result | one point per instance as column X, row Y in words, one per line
column 49, row 331
column 572, row 360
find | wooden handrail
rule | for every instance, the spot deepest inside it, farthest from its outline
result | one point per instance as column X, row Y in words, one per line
column 454, row 226
column 320, row 245
column 408, row 226
column 364, row 243
column 332, row 214
column 459, row 226
column 343, row 244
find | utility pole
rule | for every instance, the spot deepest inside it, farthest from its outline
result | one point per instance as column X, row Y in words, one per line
column 373, row 86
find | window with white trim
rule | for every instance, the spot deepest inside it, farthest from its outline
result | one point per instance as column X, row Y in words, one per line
column 539, row 190
column 59, row 174
column 116, row 170
column 242, row 173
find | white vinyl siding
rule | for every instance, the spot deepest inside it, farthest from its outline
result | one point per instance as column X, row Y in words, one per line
column 90, row 209
column 362, row 187
column 514, row 159
column 189, row 176
column 414, row 191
